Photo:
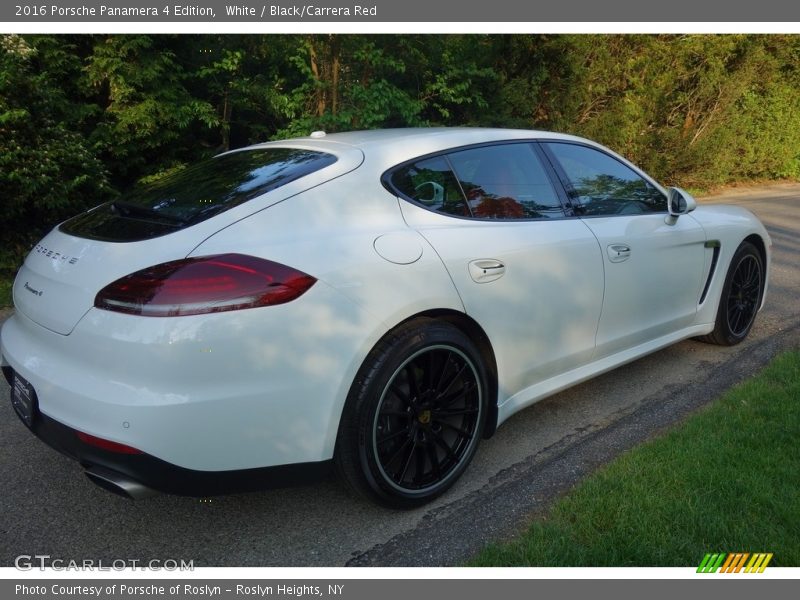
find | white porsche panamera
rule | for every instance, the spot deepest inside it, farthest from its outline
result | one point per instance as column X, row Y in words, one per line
column 376, row 301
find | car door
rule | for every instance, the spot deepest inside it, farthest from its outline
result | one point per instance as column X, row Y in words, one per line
column 653, row 263
column 531, row 277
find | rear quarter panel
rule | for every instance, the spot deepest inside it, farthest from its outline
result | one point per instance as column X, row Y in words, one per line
column 330, row 232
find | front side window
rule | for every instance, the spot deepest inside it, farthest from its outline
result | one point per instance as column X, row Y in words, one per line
column 601, row 185
column 196, row 193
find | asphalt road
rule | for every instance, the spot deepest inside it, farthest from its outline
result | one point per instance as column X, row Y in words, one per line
column 47, row 506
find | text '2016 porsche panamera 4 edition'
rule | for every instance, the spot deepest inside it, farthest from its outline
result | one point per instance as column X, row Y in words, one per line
column 375, row 302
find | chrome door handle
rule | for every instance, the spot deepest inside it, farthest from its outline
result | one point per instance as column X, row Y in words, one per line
column 485, row 270
column 618, row 252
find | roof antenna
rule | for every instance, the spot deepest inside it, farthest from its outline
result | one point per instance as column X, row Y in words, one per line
column 317, row 134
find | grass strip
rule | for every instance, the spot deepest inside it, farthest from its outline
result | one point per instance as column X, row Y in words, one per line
column 725, row 480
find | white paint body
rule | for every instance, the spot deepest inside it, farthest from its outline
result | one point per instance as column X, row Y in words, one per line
column 266, row 386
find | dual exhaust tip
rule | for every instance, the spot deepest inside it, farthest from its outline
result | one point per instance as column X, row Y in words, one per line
column 118, row 484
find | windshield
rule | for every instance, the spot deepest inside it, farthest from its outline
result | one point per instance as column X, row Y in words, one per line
column 195, row 194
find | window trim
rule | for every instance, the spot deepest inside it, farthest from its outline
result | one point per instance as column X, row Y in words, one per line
column 569, row 188
column 533, row 145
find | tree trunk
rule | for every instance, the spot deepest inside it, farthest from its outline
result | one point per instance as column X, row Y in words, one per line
column 227, row 111
column 319, row 92
column 334, row 76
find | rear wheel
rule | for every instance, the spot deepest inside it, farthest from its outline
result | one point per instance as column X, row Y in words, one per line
column 741, row 297
column 414, row 415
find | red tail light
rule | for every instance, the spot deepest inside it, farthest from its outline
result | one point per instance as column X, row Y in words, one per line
column 106, row 444
column 195, row 286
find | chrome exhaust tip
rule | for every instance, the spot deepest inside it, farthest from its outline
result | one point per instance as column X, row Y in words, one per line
column 119, row 484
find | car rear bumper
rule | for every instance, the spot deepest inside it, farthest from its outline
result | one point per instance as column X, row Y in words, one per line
column 151, row 473
column 235, row 391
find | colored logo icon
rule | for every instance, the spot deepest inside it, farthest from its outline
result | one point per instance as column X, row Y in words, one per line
column 735, row 562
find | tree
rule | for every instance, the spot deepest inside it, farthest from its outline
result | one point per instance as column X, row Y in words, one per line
column 48, row 170
column 84, row 117
column 150, row 119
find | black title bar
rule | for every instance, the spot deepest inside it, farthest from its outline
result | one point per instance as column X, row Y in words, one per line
column 388, row 11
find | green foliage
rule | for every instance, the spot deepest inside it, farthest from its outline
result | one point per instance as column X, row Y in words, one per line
column 48, row 170
column 6, row 283
column 698, row 110
column 141, row 82
column 346, row 83
column 83, row 117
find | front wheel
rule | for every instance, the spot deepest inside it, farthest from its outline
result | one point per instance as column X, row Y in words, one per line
column 741, row 297
column 414, row 415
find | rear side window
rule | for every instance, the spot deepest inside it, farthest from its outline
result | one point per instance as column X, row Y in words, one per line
column 195, row 194
column 431, row 183
column 505, row 182
column 502, row 181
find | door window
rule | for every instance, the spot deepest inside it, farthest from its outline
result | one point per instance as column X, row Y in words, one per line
column 506, row 181
column 600, row 185
column 500, row 182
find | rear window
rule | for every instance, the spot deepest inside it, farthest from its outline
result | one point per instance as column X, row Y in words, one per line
column 195, row 194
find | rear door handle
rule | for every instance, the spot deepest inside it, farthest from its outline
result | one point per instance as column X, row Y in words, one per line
column 618, row 252
column 485, row 270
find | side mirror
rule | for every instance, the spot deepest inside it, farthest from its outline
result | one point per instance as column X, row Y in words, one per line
column 679, row 202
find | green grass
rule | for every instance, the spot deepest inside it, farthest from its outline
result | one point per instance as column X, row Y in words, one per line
column 726, row 480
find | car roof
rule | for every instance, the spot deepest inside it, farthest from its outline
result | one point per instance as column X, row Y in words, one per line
column 445, row 137
column 384, row 148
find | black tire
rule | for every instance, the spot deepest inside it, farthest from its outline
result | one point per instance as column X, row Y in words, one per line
column 740, row 299
column 414, row 415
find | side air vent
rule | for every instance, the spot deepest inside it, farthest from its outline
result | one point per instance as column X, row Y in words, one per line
column 714, row 258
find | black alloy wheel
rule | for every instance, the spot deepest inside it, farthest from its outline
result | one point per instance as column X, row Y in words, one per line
column 414, row 416
column 741, row 297
column 427, row 418
column 744, row 295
